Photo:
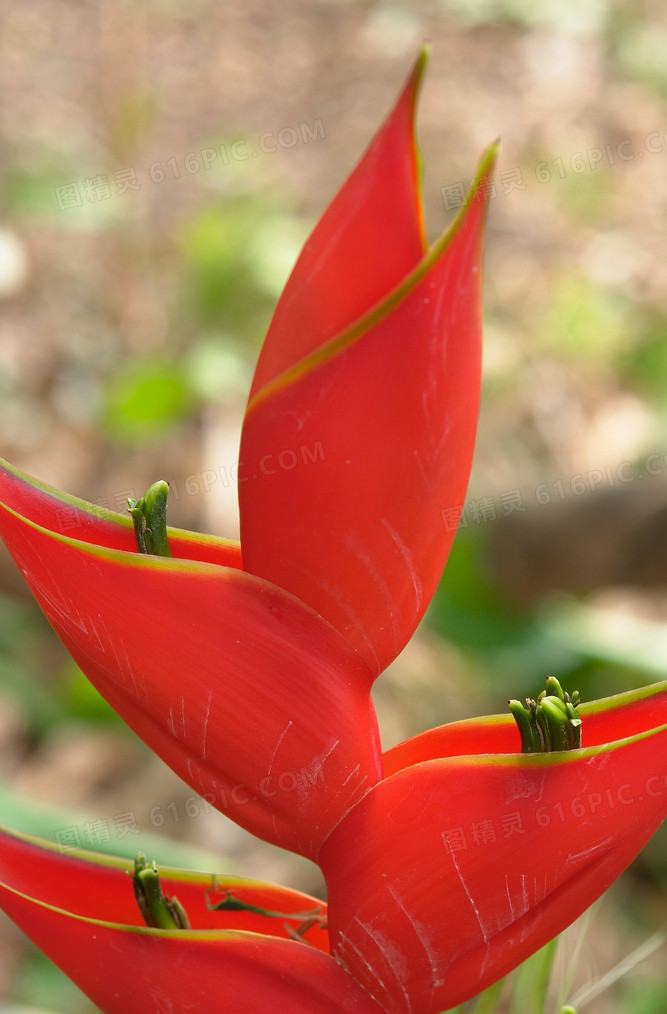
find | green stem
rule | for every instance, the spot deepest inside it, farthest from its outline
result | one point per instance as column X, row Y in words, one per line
column 543, row 976
column 488, row 1001
column 231, row 904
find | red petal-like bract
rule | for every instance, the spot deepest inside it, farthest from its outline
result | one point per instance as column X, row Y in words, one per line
column 372, row 439
column 369, row 238
column 248, row 695
column 450, row 873
column 59, row 512
column 126, row 968
column 604, row 721
column 95, row 886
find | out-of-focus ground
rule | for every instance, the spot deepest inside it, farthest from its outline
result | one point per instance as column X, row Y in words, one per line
column 160, row 165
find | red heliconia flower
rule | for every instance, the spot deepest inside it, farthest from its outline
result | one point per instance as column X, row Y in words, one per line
column 248, row 668
column 80, row 910
column 468, row 856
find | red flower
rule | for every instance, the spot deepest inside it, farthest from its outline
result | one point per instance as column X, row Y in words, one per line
column 248, row 669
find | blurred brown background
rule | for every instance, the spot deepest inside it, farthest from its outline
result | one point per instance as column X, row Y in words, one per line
column 160, row 165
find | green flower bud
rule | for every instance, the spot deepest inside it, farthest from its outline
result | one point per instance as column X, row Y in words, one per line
column 149, row 516
column 157, row 909
column 550, row 723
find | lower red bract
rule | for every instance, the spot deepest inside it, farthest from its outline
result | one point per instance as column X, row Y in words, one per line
column 450, row 873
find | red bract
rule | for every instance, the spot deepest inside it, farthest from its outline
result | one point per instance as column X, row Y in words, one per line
column 247, row 694
column 385, row 384
column 82, row 913
column 248, row 669
column 452, row 871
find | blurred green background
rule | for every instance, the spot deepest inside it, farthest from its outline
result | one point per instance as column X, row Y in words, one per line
column 161, row 163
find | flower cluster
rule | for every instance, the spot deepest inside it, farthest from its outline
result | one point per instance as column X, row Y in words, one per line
column 450, row 858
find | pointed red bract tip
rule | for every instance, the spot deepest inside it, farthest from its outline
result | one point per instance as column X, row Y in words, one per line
column 365, row 243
